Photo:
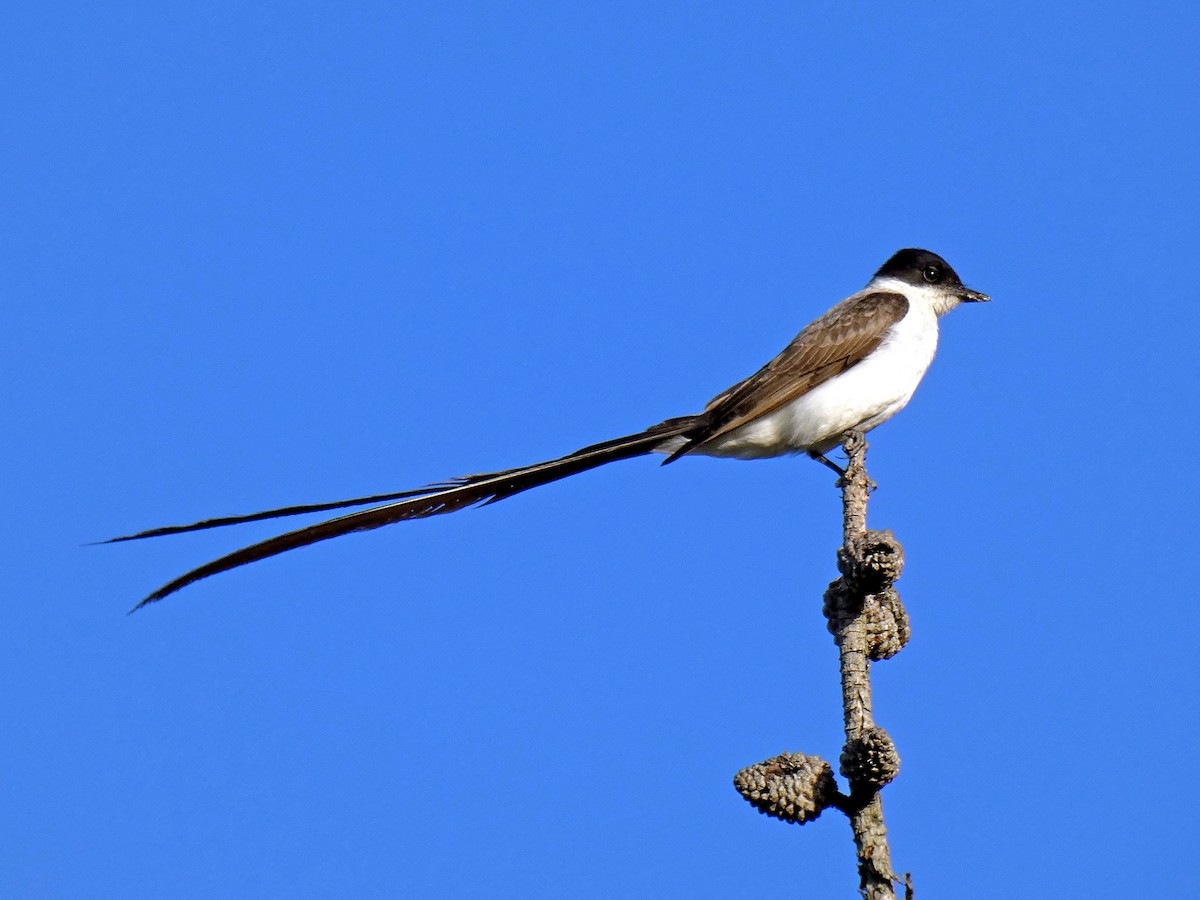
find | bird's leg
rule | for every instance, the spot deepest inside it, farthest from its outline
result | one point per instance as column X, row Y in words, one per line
column 826, row 461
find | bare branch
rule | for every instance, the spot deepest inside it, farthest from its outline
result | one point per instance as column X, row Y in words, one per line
column 869, row 759
column 868, row 623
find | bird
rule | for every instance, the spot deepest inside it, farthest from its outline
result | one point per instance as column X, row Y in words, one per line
column 849, row 370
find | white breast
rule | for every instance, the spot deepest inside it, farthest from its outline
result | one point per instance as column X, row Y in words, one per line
column 865, row 395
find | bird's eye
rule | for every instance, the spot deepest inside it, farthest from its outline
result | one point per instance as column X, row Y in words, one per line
column 933, row 274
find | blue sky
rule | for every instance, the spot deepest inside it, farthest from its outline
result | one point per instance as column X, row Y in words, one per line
column 261, row 254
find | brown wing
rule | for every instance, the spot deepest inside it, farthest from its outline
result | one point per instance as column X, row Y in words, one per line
column 826, row 347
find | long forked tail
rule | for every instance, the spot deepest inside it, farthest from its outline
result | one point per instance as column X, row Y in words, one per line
column 422, row 503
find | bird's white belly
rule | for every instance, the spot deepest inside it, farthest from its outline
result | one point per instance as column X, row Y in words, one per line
column 865, row 395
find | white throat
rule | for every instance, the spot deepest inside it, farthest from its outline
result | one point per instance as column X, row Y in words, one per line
column 937, row 299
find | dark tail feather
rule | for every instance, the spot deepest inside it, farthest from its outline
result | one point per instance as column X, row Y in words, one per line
column 271, row 514
column 419, row 504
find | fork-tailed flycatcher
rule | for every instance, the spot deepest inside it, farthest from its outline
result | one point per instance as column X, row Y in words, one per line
column 851, row 369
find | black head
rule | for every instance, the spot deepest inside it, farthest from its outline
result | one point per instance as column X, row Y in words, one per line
column 924, row 268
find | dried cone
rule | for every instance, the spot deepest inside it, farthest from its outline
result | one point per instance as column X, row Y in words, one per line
column 871, row 759
column 887, row 625
column 884, row 617
column 841, row 605
column 874, row 563
column 791, row 786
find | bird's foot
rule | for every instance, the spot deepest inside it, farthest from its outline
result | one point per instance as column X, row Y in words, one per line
column 841, row 482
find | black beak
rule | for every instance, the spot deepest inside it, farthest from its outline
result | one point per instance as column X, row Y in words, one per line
column 970, row 296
